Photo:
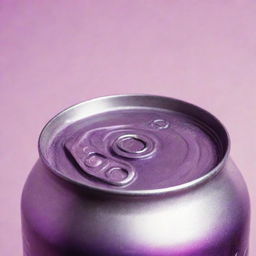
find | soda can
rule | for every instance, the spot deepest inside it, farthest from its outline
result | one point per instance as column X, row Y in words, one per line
column 135, row 175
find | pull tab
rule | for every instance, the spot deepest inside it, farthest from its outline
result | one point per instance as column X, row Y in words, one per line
column 134, row 145
column 96, row 164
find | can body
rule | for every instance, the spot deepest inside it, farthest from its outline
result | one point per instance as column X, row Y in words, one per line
column 210, row 217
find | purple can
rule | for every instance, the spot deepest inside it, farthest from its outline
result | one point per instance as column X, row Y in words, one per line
column 135, row 175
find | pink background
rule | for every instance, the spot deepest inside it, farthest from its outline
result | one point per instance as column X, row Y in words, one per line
column 57, row 53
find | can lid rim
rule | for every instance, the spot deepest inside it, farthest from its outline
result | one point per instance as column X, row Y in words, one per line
column 211, row 173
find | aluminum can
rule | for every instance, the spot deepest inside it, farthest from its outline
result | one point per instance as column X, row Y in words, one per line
column 135, row 175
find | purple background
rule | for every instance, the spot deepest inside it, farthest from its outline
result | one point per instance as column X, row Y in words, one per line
column 57, row 53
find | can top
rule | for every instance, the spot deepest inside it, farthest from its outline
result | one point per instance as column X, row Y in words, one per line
column 135, row 144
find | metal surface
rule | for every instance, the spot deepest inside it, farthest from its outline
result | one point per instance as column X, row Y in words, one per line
column 135, row 102
column 68, row 215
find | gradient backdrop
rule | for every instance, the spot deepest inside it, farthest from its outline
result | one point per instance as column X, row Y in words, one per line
column 57, row 53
